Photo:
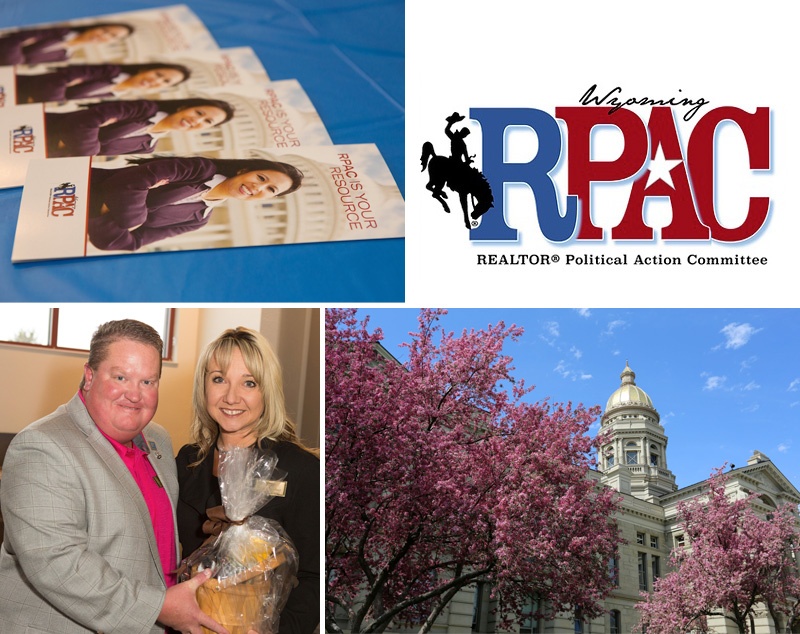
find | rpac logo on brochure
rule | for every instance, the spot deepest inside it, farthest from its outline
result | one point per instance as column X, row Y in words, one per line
column 23, row 140
column 62, row 200
column 649, row 159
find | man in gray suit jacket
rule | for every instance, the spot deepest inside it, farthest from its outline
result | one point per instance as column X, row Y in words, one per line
column 90, row 532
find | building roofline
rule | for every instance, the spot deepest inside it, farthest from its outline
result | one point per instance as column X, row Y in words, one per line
column 767, row 464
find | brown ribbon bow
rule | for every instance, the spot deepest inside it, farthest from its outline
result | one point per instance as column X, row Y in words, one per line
column 217, row 521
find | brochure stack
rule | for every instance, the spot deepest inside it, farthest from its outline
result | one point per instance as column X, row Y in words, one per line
column 135, row 133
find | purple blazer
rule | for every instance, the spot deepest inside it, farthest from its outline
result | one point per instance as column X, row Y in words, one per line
column 133, row 199
column 82, row 133
column 68, row 83
column 33, row 46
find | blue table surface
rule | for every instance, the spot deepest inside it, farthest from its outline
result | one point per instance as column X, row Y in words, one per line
column 349, row 57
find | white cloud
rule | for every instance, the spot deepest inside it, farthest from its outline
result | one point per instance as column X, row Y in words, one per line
column 583, row 312
column 737, row 335
column 576, row 352
column 715, row 382
column 751, row 386
column 747, row 363
column 551, row 332
column 566, row 372
column 794, row 386
column 614, row 325
column 783, row 447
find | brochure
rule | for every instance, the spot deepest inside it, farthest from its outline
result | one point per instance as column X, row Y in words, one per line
column 130, row 36
column 232, row 118
column 83, row 207
column 173, row 74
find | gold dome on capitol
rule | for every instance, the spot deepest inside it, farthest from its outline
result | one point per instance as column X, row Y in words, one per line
column 628, row 394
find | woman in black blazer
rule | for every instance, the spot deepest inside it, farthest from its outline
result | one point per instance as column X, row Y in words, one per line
column 128, row 126
column 40, row 45
column 97, row 81
column 238, row 401
column 155, row 198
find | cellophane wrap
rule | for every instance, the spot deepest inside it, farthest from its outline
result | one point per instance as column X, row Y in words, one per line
column 255, row 562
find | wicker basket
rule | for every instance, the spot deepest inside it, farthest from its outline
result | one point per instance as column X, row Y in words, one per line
column 238, row 602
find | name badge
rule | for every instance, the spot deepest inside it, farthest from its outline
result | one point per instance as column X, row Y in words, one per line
column 275, row 488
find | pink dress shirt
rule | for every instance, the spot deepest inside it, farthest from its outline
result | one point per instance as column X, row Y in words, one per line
column 157, row 500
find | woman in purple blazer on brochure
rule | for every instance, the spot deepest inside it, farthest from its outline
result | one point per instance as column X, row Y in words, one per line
column 97, row 81
column 156, row 198
column 56, row 43
column 110, row 128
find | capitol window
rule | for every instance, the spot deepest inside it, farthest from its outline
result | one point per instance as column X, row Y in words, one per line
column 655, row 456
column 613, row 570
column 579, row 621
column 631, row 453
column 642, row 558
column 615, row 622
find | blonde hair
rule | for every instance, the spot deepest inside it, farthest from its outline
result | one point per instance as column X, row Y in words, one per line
column 263, row 364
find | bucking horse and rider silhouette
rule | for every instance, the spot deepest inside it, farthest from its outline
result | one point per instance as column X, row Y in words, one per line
column 456, row 172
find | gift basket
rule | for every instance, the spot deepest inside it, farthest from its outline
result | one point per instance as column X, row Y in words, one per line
column 253, row 560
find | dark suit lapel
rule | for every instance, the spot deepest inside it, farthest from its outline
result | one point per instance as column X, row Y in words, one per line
column 197, row 484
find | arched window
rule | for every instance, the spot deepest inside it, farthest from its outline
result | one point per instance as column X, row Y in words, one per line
column 631, row 453
column 770, row 504
column 655, row 456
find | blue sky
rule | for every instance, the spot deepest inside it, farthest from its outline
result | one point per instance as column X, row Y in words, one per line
column 725, row 381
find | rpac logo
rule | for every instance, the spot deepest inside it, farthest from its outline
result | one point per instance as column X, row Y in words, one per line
column 687, row 181
column 23, row 139
column 63, row 200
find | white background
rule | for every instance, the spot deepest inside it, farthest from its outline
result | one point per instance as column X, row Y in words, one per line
column 463, row 55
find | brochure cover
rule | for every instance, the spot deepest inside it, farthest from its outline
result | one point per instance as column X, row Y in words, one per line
column 231, row 118
column 174, row 74
column 81, row 207
column 130, row 36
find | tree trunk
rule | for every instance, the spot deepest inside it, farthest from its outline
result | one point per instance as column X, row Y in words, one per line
column 331, row 626
column 437, row 610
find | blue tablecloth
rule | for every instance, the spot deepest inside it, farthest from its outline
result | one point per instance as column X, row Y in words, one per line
column 349, row 57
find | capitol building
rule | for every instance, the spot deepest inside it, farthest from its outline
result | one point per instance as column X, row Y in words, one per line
column 634, row 461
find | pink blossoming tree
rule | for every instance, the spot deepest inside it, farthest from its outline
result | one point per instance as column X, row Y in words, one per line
column 440, row 472
column 735, row 565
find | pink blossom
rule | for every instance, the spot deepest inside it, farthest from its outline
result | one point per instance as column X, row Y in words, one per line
column 736, row 563
column 441, row 472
